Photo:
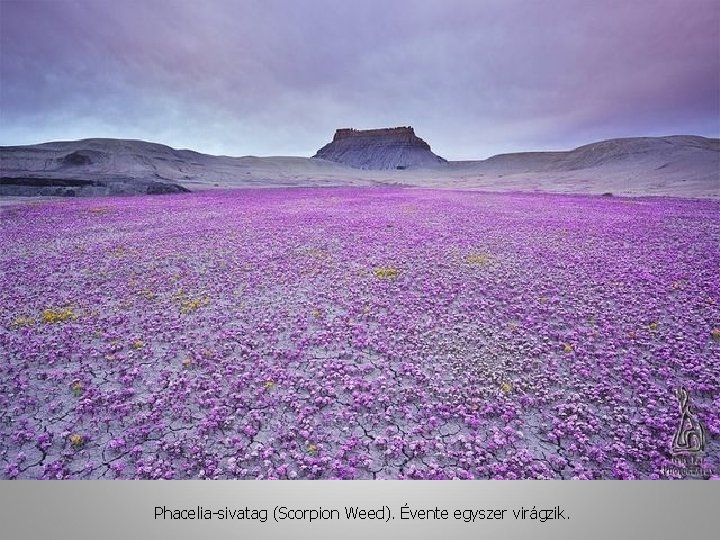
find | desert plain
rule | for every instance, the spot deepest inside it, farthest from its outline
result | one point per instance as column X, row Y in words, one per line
column 357, row 333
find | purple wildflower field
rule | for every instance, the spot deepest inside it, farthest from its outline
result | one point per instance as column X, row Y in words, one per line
column 356, row 333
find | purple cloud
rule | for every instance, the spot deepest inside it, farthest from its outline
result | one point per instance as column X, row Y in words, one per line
column 277, row 77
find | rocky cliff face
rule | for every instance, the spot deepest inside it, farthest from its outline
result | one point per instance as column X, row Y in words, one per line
column 87, row 168
column 387, row 148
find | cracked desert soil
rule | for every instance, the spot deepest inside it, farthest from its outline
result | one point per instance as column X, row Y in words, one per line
column 356, row 333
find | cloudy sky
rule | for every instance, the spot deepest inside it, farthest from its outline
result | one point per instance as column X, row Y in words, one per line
column 274, row 77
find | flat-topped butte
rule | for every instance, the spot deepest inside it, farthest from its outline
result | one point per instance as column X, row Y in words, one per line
column 383, row 148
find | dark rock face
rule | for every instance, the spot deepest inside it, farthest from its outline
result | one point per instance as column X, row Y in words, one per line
column 46, row 182
column 83, row 157
column 77, row 187
column 377, row 149
column 163, row 188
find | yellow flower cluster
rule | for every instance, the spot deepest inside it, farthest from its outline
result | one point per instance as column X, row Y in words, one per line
column 480, row 259
column 187, row 304
column 386, row 272
column 19, row 322
column 57, row 315
column 76, row 440
column 77, row 388
column 148, row 294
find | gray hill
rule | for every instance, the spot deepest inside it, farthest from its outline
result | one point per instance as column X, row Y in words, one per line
column 652, row 153
column 681, row 165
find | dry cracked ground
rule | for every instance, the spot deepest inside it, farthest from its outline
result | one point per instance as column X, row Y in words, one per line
column 357, row 333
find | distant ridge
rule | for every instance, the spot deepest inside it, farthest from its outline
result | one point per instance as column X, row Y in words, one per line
column 677, row 165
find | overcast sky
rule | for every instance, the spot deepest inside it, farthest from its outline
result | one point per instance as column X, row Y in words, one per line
column 266, row 77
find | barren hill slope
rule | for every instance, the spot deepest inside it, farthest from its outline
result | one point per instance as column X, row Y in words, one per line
column 682, row 165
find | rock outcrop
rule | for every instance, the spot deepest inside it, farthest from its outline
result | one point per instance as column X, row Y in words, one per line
column 379, row 149
column 34, row 186
column 87, row 168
